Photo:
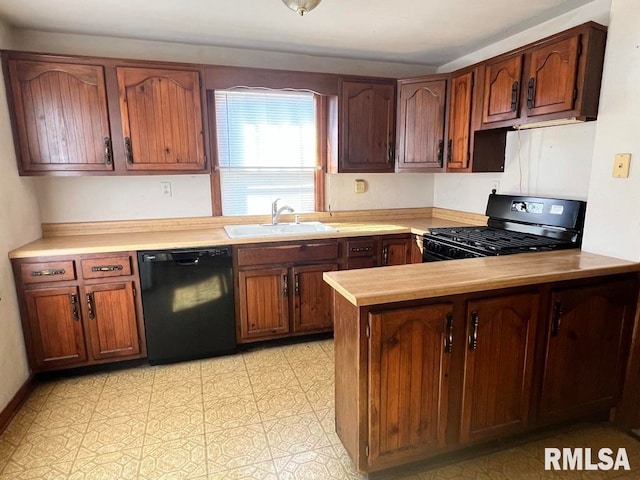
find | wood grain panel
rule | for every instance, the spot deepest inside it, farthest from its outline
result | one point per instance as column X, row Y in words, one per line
column 396, row 251
column 498, row 370
column 460, row 121
column 303, row 252
column 61, row 116
column 408, row 381
column 57, row 334
column 40, row 272
column 162, row 115
column 313, row 305
column 111, row 320
column 107, row 266
column 502, row 88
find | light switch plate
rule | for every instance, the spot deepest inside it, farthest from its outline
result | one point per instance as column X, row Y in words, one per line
column 621, row 165
column 360, row 186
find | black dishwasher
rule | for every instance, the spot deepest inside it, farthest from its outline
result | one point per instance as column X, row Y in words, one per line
column 187, row 297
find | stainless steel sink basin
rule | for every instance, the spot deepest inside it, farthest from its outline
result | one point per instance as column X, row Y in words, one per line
column 268, row 230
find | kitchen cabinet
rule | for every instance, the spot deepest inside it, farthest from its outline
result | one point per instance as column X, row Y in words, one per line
column 161, row 118
column 502, row 89
column 99, row 116
column 395, row 250
column 281, row 291
column 458, row 146
column 378, row 251
column 60, row 113
column 421, row 124
column 366, row 121
column 360, row 252
column 80, row 310
column 586, row 344
column 498, row 366
column 408, row 381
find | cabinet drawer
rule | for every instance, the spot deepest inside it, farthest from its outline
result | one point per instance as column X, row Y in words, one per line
column 304, row 252
column 360, row 248
column 47, row 272
column 116, row 266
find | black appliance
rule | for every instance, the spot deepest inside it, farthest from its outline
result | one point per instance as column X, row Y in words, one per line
column 516, row 224
column 187, row 297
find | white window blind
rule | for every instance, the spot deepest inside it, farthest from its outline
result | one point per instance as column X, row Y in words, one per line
column 266, row 150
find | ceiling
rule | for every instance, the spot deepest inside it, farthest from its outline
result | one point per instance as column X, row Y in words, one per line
column 426, row 32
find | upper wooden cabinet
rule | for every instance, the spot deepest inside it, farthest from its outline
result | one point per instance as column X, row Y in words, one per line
column 556, row 78
column 502, row 89
column 61, row 117
column 366, row 126
column 77, row 116
column 161, row 119
column 458, row 147
column 421, row 123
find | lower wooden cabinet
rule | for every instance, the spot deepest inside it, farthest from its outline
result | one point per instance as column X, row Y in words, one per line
column 396, row 251
column 76, row 316
column 587, row 339
column 408, row 381
column 498, row 365
column 313, row 303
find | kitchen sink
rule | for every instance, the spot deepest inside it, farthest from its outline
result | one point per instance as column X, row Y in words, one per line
column 268, row 230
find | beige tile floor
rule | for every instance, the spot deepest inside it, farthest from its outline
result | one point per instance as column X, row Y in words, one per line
column 266, row 414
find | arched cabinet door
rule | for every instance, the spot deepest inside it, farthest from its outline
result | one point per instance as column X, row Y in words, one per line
column 61, row 117
column 502, row 90
column 161, row 115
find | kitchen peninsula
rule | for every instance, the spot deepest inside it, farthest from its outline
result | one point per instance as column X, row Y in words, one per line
column 434, row 357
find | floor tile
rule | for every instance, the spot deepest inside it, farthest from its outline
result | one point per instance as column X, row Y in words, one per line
column 114, row 403
column 292, row 435
column 48, row 447
column 130, row 379
column 264, row 358
column 282, row 402
column 177, row 372
column 38, row 397
column 303, row 352
column 117, row 465
column 271, row 378
column 86, row 386
column 225, row 386
column 176, row 393
column 46, row 472
column 113, row 435
column 230, row 412
column 319, row 464
column 19, row 426
column 64, row 413
column 180, row 459
column 236, row 447
column 321, row 395
column 327, row 419
column 257, row 471
column 173, row 423
column 222, row 365
column 6, row 450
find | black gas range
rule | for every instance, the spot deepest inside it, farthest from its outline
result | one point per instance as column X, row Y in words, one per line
column 517, row 224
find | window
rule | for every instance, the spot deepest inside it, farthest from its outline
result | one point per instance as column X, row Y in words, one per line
column 267, row 149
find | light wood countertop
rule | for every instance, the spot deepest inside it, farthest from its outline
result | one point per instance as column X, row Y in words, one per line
column 374, row 286
column 209, row 237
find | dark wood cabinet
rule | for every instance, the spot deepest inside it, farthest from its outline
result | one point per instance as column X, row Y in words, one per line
column 61, row 117
column 264, row 302
column 161, row 118
column 502, row 86
column 313, row 305
column 73, row 321
column 55, row 327
column 587, row 339
column 498, row 366
column 395, row 251
column 421, row 124
column 366, row 126
column 408, row 381
column 458, row 146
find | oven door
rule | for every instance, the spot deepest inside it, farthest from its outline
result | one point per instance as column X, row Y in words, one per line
column 433, row 257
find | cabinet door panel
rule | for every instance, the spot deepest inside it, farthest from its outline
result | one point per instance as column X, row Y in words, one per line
column 313, row 298
column 368, row 127
column 552, row 77
column 264, row 302
column 584, row 361
column 408, row 381
column 111, row 317
column 421, row 125
column 162, row 118
column 502, row 90
column 498, row 368
column 396, row 251
column 460, row 121
column 55, row 327
column 61, row 116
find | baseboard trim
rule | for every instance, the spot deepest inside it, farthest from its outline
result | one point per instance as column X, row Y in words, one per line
column 16, row 402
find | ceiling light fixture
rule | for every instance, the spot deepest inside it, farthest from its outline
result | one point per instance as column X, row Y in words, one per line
column 301, row 7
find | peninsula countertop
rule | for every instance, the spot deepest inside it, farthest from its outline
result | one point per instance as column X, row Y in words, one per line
column 375, row 286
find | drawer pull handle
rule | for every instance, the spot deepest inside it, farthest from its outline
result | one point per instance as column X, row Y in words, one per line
column 473, row 338
column 285, row 286
column 106, row 268
column 361, row 249
column 91, row 306
column 48, row 273
column 448, row 339
column 74, row 307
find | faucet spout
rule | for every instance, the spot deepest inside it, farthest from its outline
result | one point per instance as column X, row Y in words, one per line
column 276, row 212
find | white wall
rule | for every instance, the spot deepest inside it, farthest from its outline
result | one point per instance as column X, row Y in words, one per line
column 19, row 224
column 552, row 161
column 613, row 222
column 76, row 199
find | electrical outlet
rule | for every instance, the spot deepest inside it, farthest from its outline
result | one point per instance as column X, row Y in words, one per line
column 621, row 165
column 495, row 185
column 360, row 186
column 165, row 188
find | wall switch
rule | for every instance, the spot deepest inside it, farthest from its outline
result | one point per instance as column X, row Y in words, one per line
column 621, row 165
column 360, row 186
column 165, row 188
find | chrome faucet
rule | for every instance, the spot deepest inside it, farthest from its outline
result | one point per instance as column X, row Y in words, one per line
column 275, row 211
